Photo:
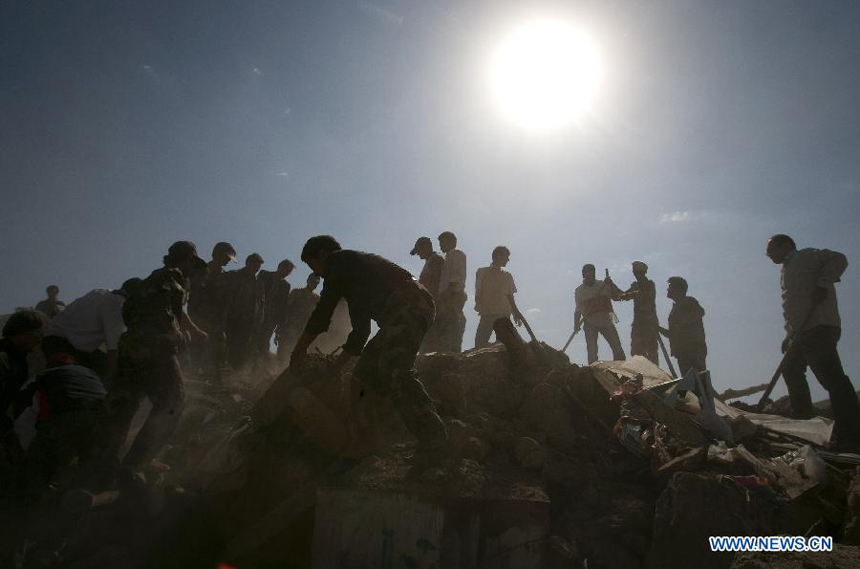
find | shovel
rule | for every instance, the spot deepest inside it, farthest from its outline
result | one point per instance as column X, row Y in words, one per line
column 791, row 346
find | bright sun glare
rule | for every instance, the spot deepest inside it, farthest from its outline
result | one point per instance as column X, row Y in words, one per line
column 545, row 74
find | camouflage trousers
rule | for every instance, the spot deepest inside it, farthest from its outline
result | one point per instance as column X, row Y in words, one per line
column 644, row 341
column 387, row 363
column 160, row 380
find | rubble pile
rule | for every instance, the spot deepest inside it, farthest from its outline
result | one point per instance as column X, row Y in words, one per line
column 548, row 465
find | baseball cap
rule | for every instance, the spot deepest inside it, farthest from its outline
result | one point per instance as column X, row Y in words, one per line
column 183, row 249
column 418, row 242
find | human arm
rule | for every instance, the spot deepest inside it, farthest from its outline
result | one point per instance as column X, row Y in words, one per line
column 518, row 316
column 831, row 265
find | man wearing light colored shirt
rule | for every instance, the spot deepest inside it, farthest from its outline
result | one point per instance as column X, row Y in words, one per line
column 452, row 297
column 89, row 329
column 494, row 295
column 594, row 310
column 813, row 329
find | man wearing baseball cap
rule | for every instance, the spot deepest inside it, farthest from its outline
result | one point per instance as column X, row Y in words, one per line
column 645, row 328
column 431, row 276
column 157, row 327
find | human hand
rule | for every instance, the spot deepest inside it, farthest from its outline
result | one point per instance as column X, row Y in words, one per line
column 786, row 343
column 518, row 319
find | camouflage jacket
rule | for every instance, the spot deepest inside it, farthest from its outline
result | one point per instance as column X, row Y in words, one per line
column 153, row 315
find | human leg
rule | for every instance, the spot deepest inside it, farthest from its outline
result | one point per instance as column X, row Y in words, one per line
column 164, row 387
column 590, row 342
column 823, row 358
column 610, row 334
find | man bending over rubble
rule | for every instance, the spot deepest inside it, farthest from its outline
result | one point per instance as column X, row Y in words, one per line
column 377, row 289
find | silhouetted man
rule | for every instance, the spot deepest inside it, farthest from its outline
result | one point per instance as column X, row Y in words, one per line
column 208, row 305
column 301, row 304
column 51, row 306
column 813, row 328
column 452, row 295
column 431, row 275
column 645, row 328
column 494, row 295
column 88, row 324
column 157, row 329
column 686, row 330
column 276, row 293
column 594, row 313
column 376, row 289
column 246, row 312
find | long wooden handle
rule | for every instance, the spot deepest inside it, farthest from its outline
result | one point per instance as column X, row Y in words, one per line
column 666, row 354
column 791, row 346
column 569, row 340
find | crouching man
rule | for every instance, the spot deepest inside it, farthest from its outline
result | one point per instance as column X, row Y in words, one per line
column 376, row 289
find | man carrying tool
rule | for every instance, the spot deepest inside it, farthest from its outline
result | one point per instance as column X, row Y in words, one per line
column 686, row 330
column 813, row 329
column 644, row 332
column 376, row 289
column 594, row 309
column 494, row 295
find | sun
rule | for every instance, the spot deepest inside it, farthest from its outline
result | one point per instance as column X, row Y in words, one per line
column 545, row 74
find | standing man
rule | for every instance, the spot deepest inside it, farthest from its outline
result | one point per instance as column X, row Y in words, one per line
column 90, row 323
column 686, row 330
column 207, row 306
column 813, row 329
column 594, row 309
column 300, row 305
column 245, row 315
column 452, row 295
column 276, row 293
column 643, row 333
column 431, row 275
column 434, row 264
column 494, row 295
column 157, row 328
column 51, row 306
column 376, row 289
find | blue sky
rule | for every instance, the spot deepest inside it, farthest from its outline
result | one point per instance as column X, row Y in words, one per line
column 126, row 125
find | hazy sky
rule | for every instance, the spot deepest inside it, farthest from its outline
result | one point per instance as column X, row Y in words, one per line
column 126, row 125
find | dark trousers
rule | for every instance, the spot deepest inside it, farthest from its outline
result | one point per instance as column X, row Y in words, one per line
column 610, row 334
column 242, row 342
column 159, row 381
column 485, row 329
column 643, row 340
column 816, row 349
column 450, row 321
column 688, row 361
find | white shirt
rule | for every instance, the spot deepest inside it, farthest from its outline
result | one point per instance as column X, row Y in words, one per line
column 802, row 271
column 90, row 321
column 589, row 307
column 454, row 270
column 493, row 285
